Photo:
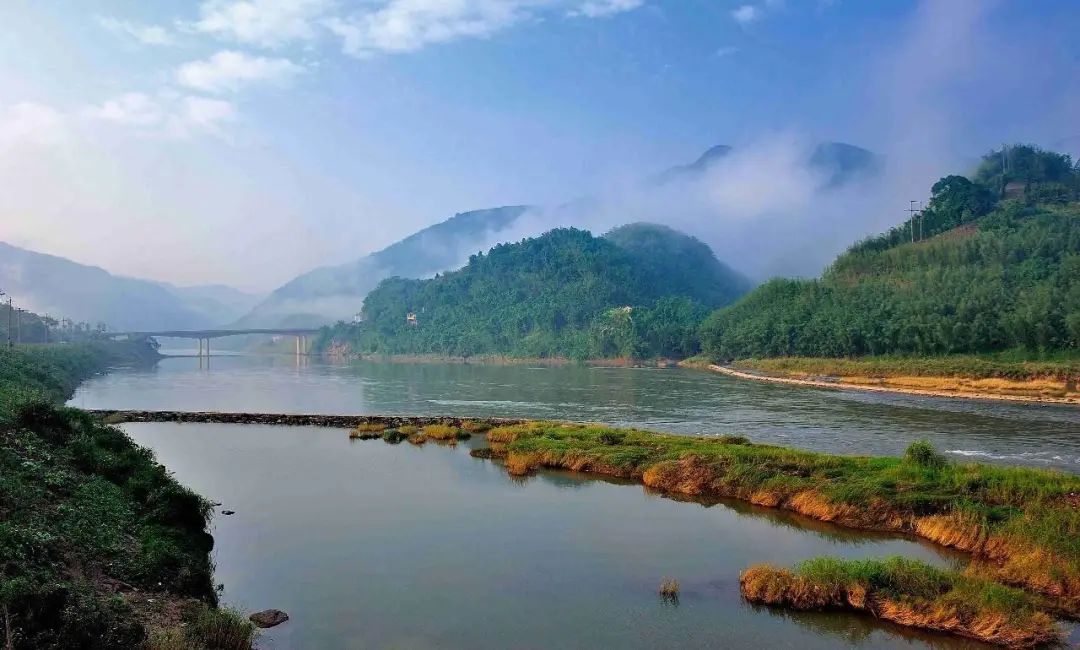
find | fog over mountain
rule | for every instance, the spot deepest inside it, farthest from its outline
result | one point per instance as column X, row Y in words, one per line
column 53, row 285
column 681, row 196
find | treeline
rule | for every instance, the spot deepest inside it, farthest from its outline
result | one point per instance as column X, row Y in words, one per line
column 640, row 291
column 984, row 273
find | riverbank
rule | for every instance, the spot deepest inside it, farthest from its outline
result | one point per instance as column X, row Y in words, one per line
column 1053, row 382
column 1023, row 525
column 99, row 546
column 909, row 593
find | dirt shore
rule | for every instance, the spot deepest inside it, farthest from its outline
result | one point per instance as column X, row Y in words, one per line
column 882, row 385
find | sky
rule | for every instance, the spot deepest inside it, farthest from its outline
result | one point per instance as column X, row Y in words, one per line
column 246, row 141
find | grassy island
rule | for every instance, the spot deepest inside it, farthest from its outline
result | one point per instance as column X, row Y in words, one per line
column 1023, row 525
column 99, row 546
column 909, row 593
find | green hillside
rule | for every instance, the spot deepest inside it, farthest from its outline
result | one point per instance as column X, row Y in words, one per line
column 993, row 263
column 561, row 294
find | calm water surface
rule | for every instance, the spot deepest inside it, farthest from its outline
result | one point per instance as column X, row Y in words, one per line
column 675, row 400
column 369, row 545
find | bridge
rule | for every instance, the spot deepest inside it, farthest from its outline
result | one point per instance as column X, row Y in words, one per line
column 301, row 335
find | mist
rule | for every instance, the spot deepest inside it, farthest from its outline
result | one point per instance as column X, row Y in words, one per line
column 766, row 211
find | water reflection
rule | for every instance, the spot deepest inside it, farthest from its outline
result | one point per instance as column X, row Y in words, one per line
column 376, row 545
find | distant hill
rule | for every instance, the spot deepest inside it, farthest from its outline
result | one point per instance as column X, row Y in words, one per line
column 837, row 162
column 53, row 285
column 992, row 263
column 332, row 293
column 563, row 293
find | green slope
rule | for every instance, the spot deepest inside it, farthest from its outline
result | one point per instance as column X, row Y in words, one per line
column 553, row 295
column 992, row 264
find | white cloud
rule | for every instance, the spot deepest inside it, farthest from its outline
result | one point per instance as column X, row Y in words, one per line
column 145, row 34
column 167, row 114
column 392, row 26
column 601, row 8
column 29, row 122
column 228, row 70
column 134, row 109
column 201, row 113
column 726, row 51
column 746, row 14
column 261, row 22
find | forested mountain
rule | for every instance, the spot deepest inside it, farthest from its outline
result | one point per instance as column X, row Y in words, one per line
column 992, row 263
column 53, row 285
column 332, row 293
column 639, row 291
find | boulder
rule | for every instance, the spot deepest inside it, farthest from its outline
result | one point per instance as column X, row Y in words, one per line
column 268, row 618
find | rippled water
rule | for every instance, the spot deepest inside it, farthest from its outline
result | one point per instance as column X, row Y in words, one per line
column 675, row 400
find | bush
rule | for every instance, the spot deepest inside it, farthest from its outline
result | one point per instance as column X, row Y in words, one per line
column 923, row 454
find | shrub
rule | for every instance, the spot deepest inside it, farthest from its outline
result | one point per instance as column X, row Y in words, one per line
column 923, row 454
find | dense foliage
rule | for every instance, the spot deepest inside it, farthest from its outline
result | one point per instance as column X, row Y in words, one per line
column 639, row 291
column 85, row 514
column 982, row 274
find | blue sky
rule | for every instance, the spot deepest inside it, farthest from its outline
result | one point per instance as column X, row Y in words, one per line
column 245, row 141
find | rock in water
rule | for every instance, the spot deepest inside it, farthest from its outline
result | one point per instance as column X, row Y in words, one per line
column 269, row 618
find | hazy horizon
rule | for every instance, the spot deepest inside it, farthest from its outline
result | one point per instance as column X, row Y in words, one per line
column 246, row 142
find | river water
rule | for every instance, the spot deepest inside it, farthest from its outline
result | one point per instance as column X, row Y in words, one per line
column 370, row 545
column 675, row 400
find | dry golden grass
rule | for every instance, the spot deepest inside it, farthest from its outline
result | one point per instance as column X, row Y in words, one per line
column 417, row 439
column 669, row 588
column 909, row 593
column 443, row 432
column 473, row 426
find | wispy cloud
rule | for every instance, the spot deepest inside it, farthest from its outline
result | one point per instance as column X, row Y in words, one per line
column 31, row 123
column 133, row 109
column 267, row 23
column 601, row 8
column 395, row 26
column 167, row 114
column 144, row 34
column 229, row 70
column 746, row 14
column 725, row 51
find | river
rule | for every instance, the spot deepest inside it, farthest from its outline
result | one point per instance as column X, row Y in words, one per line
column 370, row 545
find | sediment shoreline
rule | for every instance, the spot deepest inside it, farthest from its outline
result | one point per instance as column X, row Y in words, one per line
column 839, row 383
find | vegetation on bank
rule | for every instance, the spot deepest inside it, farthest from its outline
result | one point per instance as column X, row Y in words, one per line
column 1023, row 523
column 907, row 592
column 639, row 291
column 98, row 543
column 991, row 264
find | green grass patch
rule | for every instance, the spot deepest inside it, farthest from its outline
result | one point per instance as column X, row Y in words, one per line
column 908, row 592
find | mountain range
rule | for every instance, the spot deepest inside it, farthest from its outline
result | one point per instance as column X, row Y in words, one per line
column 53, row 285
column 50, row 284
column 333, row 293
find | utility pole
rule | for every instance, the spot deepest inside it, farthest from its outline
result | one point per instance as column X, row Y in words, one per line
column 911, row 219
column 46, row 322
column 10, row 343
column 18, row 326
